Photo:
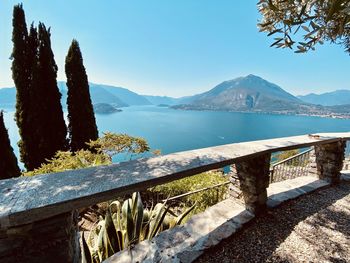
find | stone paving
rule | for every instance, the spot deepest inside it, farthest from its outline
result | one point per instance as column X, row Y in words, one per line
column 205, row 230
column 311, row 228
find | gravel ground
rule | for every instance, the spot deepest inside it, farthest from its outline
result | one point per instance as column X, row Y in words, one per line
column 311, row 228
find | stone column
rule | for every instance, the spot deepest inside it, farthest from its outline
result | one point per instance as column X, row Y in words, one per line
column 253, row 175
column 329, row 160
column 55, row 239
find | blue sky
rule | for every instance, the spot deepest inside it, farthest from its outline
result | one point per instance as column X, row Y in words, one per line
column 174, row 48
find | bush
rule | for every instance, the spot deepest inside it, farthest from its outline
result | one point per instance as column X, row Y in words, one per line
column 286, row 154
column 202, row 199
column 281, row 156
column 64, row 161
column 100, row 153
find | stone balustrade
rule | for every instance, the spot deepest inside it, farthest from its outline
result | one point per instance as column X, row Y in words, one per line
column 37, row 214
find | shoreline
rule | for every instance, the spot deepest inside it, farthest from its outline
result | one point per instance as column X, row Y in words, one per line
column 326, row 115
column 329, row 115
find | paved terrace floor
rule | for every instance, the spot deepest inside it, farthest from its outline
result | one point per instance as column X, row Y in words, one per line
column 311, row 228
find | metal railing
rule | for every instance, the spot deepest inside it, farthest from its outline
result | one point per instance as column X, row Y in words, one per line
column 29, row 203
column 292, row 167
column 216, row 186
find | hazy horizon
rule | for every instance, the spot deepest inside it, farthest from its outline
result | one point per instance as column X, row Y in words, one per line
column 162, row 95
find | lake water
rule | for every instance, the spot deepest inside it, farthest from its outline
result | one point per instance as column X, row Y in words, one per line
column 174, row 130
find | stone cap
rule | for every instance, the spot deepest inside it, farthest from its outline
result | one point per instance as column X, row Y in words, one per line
column 28, row 199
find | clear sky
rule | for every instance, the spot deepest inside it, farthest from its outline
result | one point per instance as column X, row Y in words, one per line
column 173, row 47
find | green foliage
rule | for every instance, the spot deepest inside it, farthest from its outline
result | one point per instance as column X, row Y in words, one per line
column 203, row 199
column 113, row 143
column 105, row 147
column 311, row 22
column 69, row 161
column 286, row 154
column 294, row 161
column 8, row 161
column 39, row 114
column 82, row 124
column 125, row 225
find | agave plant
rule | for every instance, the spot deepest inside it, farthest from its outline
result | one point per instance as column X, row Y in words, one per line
column 126, row 225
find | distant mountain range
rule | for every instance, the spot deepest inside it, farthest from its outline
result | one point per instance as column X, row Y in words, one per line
column 338, row 97
column 254, row 94
column 157, row 100
column 116, row 96
column 250, row 94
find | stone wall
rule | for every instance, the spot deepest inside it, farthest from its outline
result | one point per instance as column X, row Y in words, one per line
column 329, row 160
column 234, row 188
column 56, row 239
column 51, row 240
column 253, row 175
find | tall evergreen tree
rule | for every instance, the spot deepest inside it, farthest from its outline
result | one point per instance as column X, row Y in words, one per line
column 28, row 143
column 49, row 128
column 21, row 74
column 82, row 124
column 39, row 114
column 8, row 161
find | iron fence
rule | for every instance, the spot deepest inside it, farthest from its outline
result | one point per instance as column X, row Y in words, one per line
column 292, row 167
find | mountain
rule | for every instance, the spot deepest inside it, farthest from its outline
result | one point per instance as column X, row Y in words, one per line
column 156, row 100
column 116, row 96
column 338, row 97
column 339, row 109
column 105, row 108
column 250, row 93
column 125, row 95
column 97, row 93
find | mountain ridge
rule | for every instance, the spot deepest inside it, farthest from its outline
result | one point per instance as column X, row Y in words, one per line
column 116, row 96
column 250, row 93
column 332, row 98
column 127, row 96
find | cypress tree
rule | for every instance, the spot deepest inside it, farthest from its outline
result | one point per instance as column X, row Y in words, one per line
column 8, row 161
column 49, row 128
column 21, row 75
column 39, row 114
column 28, row 143
column 82, row 124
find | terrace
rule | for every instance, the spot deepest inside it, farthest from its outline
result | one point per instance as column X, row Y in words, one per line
column 38, row 218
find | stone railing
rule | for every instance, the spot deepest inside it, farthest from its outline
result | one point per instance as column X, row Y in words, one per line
column 38, row 218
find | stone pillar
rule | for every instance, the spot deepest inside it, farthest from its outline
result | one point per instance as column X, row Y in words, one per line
column 329, row 160
column 253, row 175
column 55, row 239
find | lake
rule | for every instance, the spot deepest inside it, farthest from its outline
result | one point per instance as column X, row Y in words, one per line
column 172, row 130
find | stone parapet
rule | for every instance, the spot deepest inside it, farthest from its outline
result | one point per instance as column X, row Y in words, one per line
column 54, row 239
column 253, row 175
column 329, row 160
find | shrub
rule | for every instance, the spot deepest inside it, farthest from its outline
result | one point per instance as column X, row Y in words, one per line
column 281, row 156
column 69, row 161
column 286, row 154
column 203, row 199
column 100, row 153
